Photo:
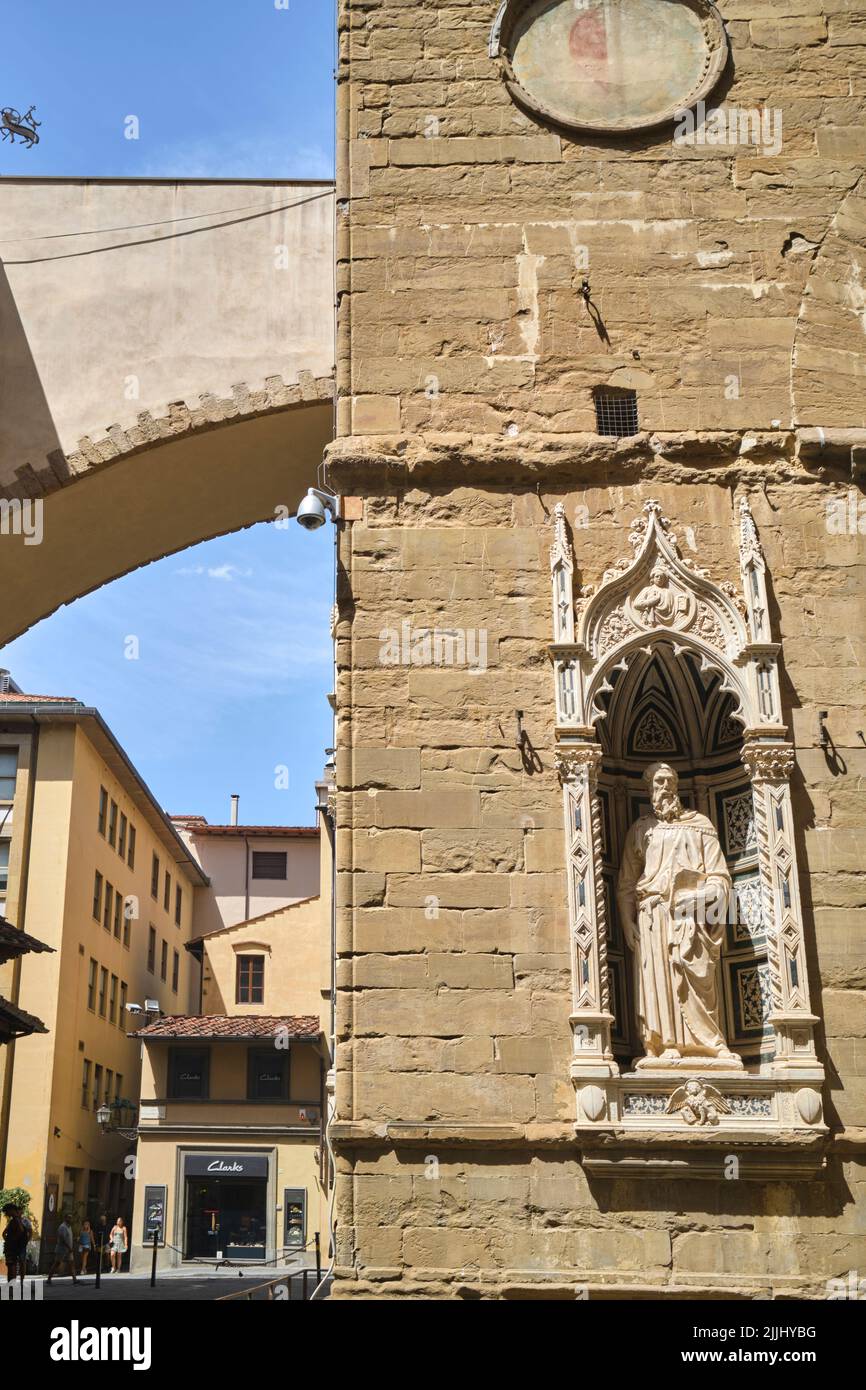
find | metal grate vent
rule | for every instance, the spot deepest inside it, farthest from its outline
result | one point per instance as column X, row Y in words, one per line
column 616, row 413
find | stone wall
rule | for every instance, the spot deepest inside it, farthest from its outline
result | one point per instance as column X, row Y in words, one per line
column 725, row 290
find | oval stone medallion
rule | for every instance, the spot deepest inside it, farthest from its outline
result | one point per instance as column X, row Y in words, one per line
column 611, row 65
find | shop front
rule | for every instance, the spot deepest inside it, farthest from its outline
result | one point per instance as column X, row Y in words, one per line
column 225, row 1206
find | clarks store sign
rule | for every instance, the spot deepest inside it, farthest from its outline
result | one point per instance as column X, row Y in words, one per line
column 226, row 1165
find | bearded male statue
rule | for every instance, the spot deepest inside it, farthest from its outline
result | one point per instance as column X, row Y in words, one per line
column 672, row 895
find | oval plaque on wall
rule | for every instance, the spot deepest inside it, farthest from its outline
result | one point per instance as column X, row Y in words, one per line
column 610, row 65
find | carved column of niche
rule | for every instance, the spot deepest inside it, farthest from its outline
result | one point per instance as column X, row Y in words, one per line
column 761, row 654
column 562, row 649
column 769, row 764
column 591, row 1018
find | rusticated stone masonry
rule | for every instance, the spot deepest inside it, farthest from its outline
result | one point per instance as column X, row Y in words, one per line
column 725, row 288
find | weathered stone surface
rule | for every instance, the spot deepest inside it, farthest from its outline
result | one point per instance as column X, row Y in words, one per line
column 724, row 287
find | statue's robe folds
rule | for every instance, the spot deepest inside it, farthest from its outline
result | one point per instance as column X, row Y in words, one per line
column 677, row 954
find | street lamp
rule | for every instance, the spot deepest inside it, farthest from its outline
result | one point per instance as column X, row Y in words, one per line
column 120, row 1117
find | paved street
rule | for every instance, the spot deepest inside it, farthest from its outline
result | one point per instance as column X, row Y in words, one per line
column 173, row 1287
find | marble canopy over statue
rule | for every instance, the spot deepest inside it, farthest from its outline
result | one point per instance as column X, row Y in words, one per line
column 673, row 884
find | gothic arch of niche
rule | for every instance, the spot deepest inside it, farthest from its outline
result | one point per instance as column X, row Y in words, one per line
column 664, row 663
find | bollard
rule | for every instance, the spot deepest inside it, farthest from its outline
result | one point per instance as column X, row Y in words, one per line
column 153, row 1264
column 304, row 1293
column 318, row 1259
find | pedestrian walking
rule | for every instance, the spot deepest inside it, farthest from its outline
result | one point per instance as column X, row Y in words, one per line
column 64, row 1252
column 85, row 1245
column 118, row 1243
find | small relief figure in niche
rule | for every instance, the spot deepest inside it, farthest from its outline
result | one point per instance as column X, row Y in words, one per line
column 698, row 1103
column 672, row 894
column 658, row 605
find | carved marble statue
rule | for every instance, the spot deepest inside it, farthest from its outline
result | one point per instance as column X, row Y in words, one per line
column 672, row 894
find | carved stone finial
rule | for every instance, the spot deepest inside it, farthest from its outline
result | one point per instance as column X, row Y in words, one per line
column 750, row 546
column 560, row 550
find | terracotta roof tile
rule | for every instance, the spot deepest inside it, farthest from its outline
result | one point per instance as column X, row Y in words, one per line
column 15, row 1023
column 219, row 1026
column 201, row 827
column 11, row 697
column 15, row 943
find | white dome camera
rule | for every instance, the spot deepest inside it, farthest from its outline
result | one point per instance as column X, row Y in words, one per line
column 312, row 513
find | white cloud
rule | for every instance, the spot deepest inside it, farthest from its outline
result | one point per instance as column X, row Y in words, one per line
column 225, row 572
column 244, row 157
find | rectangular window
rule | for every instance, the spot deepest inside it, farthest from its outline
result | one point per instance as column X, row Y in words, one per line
column 121, row 1019
column 163, row 962
column 109, row 1081
column 112, row 824
column 4, row 865
column 97, row 1085
column 118, row 915
column 118, row 1086
column 109, row 906
column 267, row 1074
column 85, row 1085
column 188, row 1070
column 112, row 1000
column 166, row 897
column 130, row 857
column 128, row 909
column 91, row 984
column 121, row 837
column 103, row 810
column 269, row 863
column 8, row 769
column 151, row 949
column 178, row 904
column 154, row 876
column 97, row 895
column 250, row 980
column 103, row 990
column 175, row 970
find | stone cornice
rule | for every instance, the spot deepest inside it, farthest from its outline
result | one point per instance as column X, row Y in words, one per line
column 365, row 463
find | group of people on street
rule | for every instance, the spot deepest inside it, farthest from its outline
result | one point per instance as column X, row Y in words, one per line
column 19, row 1232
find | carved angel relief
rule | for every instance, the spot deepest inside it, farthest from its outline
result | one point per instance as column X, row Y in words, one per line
column 698, row 1102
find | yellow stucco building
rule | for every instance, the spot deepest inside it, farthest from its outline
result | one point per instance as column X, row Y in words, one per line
column 232, row 1163
column 92, row 867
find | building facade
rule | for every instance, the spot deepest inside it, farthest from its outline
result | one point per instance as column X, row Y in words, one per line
column 97, row 872
column 232, row 1159
column 601, row 436
column 252, row 869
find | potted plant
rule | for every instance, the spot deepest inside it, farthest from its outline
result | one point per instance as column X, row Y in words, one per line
column 20, row 1197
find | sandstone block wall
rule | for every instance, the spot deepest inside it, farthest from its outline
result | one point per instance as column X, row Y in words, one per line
column 727, row 284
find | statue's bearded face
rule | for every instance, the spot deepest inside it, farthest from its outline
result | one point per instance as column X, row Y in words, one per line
column 666, row 803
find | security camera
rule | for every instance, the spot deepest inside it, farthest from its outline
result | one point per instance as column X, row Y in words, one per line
column 311, row 512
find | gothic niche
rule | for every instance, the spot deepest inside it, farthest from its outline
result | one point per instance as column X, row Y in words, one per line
column 690, row 1010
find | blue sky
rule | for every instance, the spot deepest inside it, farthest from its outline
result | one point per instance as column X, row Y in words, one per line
column 234, row 650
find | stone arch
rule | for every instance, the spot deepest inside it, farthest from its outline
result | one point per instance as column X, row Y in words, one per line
column 137, row 499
